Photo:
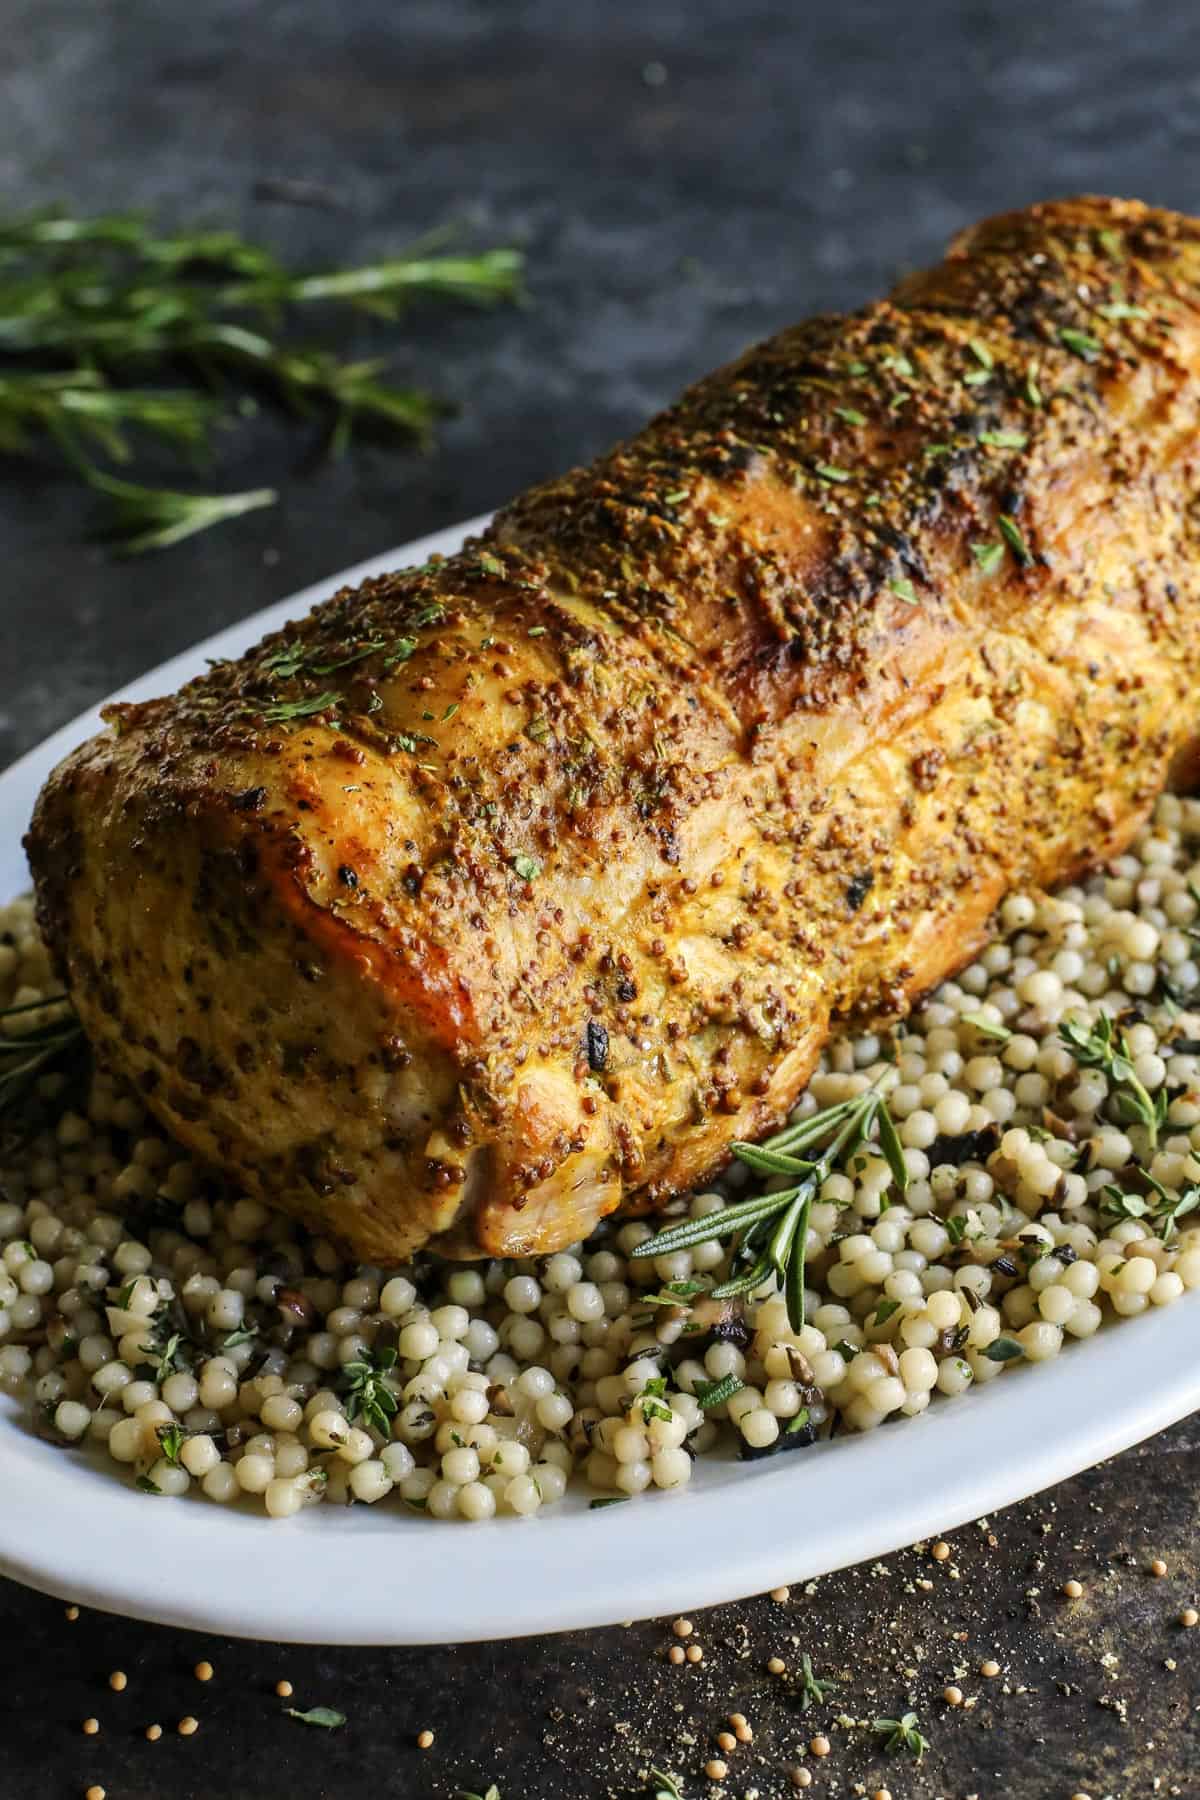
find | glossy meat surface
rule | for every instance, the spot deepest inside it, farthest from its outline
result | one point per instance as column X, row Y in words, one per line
column 500, row 893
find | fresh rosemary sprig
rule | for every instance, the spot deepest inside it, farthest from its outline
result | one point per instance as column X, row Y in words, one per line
column 24, row 1055
column 1101, row 1047
column 903, row 1734
column 772, row 1228
column 92, row 308
column 143, row 518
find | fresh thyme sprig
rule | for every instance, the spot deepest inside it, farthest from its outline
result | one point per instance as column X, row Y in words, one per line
column 1100, row 1046
column 92, row 308
column 772, row 1228
column 367, row 1391
column 903, row 1734
column 1162, row 1208
column 26, row 1054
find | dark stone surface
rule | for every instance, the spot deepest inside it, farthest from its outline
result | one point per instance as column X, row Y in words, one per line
column 794, row 157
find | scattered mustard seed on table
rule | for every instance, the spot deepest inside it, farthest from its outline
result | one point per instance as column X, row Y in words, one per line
column 1073, row 1590
column 776, row 1665
column 188, row 1726
column 94, row 1793
column 989, row 1667
column 940, row 1551
column 118, row 1681
column 1189, row 1616
column 820, row 1745
column 726, row 1741
column 154, row 1732
column 1158, row 1566
column 72, row 1613
column 694, row 1653
column 801, row 1778
column 716, row 1770
column 424, row 1740
column 90, row 1727
column 675, row 1654
column 953, row 1696
column 284, row 1689
column 781, row 1594
column 683, row 1628
column 203, row 1671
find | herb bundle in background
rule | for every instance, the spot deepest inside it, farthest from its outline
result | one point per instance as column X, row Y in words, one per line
column 113, row 338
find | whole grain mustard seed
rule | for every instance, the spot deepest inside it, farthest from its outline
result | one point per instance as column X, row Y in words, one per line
column 744, row 1734
column 203, row 1671
column 118, row 1681
column 1189, row 1616
column 94, row 1793
column 776, row 1665
column 800, row 1777
column 953, row 1696
column 675, row 1654
column 284, row 1689
column 154, row 1732
column 90, row 1727
column 72, row 1613
column 1158, row 1567
column 188, row 1726
column 694, row 1653
column 424, row 1740
column 781, row 1594
column 940, row 1551
column 882, row 1794
column 1081, row 1796
column 736, row 1719
column 1073, row 1590
column 726, row 1741
column 683, row 1628
column 716, row 1770
column 989, row 1667
column 820, row 1745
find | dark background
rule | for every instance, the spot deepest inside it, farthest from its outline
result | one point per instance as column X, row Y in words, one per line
column 683, row 177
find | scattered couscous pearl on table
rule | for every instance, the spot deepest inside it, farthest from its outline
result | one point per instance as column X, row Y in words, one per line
column 212, row 1348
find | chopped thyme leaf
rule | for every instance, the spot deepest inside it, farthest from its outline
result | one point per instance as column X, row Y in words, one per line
column 1010, row 531
column 851, row 415
column 537, row 631
column 1121, row 309
column 171, row 1438
column 856, row 368
column 608, row 1500
column 987, row 1027
column 400, row 651
column 325, row 1716
column 1080, row 343
column 884, row 1311
column 1033, row 392
column 1101, row 1047
column 282, row 710
column 653, row 1402
column 243, row 1334
column 800, row 1419
column 491, row 565
column 1110, row 243
column 675, row 496
column 988, row 556
column 976, row 377
column 527, row 867
column 981, row 353
column 956, row 1228
column 905, row 590
column 144, row 1485
column 1004, row 440
column 830, row 472
column 1003, row 1350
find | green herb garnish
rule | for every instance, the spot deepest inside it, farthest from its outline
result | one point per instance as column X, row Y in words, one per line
column 1101, row 1047
column 851, row 415
column 24, row 1055
column 1080, row 343
column 1160, row 1206
column 902, row 1734
column 527, row 867
column 715, row 1393
column 812, row 1691
column 1004, row 440
column 981, row 353
column 986, row 1027
column 325, row 1716
column 830, row 472
column 608, row 1500
column 367, row 1392
column 988, row 556
column 772, row 1228
column 905, row 590
column 282, row 710
column 172, row 1439
column 1010, row 531
column 652, row 1400
column 1003, row 1350
column 144, row 1485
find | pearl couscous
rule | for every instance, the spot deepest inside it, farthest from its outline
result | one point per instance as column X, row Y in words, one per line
column 210, row 1346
